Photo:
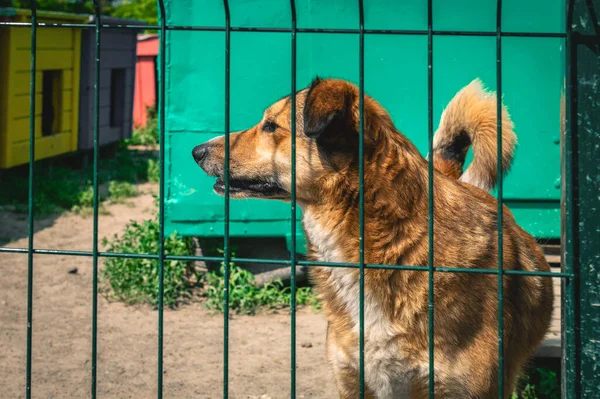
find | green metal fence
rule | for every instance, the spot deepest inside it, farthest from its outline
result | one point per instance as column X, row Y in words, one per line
column 581, row 183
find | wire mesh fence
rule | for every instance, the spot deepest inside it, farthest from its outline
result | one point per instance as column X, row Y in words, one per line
column 571, row 339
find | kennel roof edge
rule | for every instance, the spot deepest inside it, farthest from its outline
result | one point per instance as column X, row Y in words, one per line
column 25, row 14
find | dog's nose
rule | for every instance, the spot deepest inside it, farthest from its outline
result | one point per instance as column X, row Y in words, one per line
column 199, row 153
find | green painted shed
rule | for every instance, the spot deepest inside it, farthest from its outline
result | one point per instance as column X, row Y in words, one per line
column 395, row 74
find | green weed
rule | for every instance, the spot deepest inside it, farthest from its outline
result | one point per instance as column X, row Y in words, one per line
column 146, row 135
column 85, row 201
column 118, row 191
column 541, row 383
column 153, row 171
column 134, row 280
column 245, row 297
column 86, row 196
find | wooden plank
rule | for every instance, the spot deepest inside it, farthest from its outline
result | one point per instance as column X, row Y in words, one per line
column 47, row 38
column 20, row 82
column 552, row 254
column 18, row 129
column 19, row 105
column 45, row 147
column 119, row 40
column 105, row 76
column 111, row 40
column 46, row 59
column 4, row 81
column 551, row 347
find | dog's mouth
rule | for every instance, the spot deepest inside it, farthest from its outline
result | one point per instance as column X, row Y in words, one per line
column 251, row 188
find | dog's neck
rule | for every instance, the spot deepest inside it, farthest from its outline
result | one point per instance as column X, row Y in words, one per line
column 395, row 206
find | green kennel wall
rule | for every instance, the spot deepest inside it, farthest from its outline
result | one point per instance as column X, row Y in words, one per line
column 395, row 74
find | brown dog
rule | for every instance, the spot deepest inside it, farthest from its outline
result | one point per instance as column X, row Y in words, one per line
column 396, row 224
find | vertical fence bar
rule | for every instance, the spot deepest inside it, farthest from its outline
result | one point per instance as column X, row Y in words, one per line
column 581, row 217
column 569, row 372
column 95, row 204
column 226, row 254
column 30, row 210
column 293, row 209
column 500, row 199
column 430, row 198
column 361, row 199
column 161, row 199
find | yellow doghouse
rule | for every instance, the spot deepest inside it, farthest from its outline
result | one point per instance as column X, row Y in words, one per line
column 57, row 86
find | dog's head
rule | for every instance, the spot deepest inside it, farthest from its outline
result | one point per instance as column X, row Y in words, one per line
column 260, row 157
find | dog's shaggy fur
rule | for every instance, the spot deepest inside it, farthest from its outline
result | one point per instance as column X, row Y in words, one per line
column 396, row 232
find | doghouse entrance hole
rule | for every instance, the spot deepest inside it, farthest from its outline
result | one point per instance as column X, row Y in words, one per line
column 51, row 102
column 117, row 97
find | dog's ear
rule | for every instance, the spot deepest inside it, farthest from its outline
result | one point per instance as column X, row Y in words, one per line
column 328, row 107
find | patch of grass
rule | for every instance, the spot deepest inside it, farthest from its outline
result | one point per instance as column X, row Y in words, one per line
column 153, row 171
column 540, row 383
column 85, row 201
column 119, row 191
column 306, row 296
column 59, row 185
column 134, row 280
column 245, row 297
column 86, row 196
column 146, row 135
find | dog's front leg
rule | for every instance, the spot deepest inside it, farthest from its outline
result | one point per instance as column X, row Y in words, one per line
column 345, row 370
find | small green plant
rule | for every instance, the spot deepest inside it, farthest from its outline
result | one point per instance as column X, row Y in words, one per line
column 118, row 191
column 134, row 280
column 153, row 171
column 245, row 297
column 548, row 386
column 84, row 201
column 148, row 134
column 86, row 196
column 541, row 383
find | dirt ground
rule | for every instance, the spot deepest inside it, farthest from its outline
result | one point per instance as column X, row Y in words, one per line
column 259, row 346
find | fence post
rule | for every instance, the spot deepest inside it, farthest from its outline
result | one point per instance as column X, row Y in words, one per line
column 581, row 301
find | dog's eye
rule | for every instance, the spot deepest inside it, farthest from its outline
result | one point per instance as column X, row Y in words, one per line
column 269, row 126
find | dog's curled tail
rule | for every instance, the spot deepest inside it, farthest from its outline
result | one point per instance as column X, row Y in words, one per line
column 470, row 120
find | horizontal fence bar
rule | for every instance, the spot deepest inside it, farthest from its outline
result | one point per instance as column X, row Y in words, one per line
column 442, row 269
column 414, row 32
